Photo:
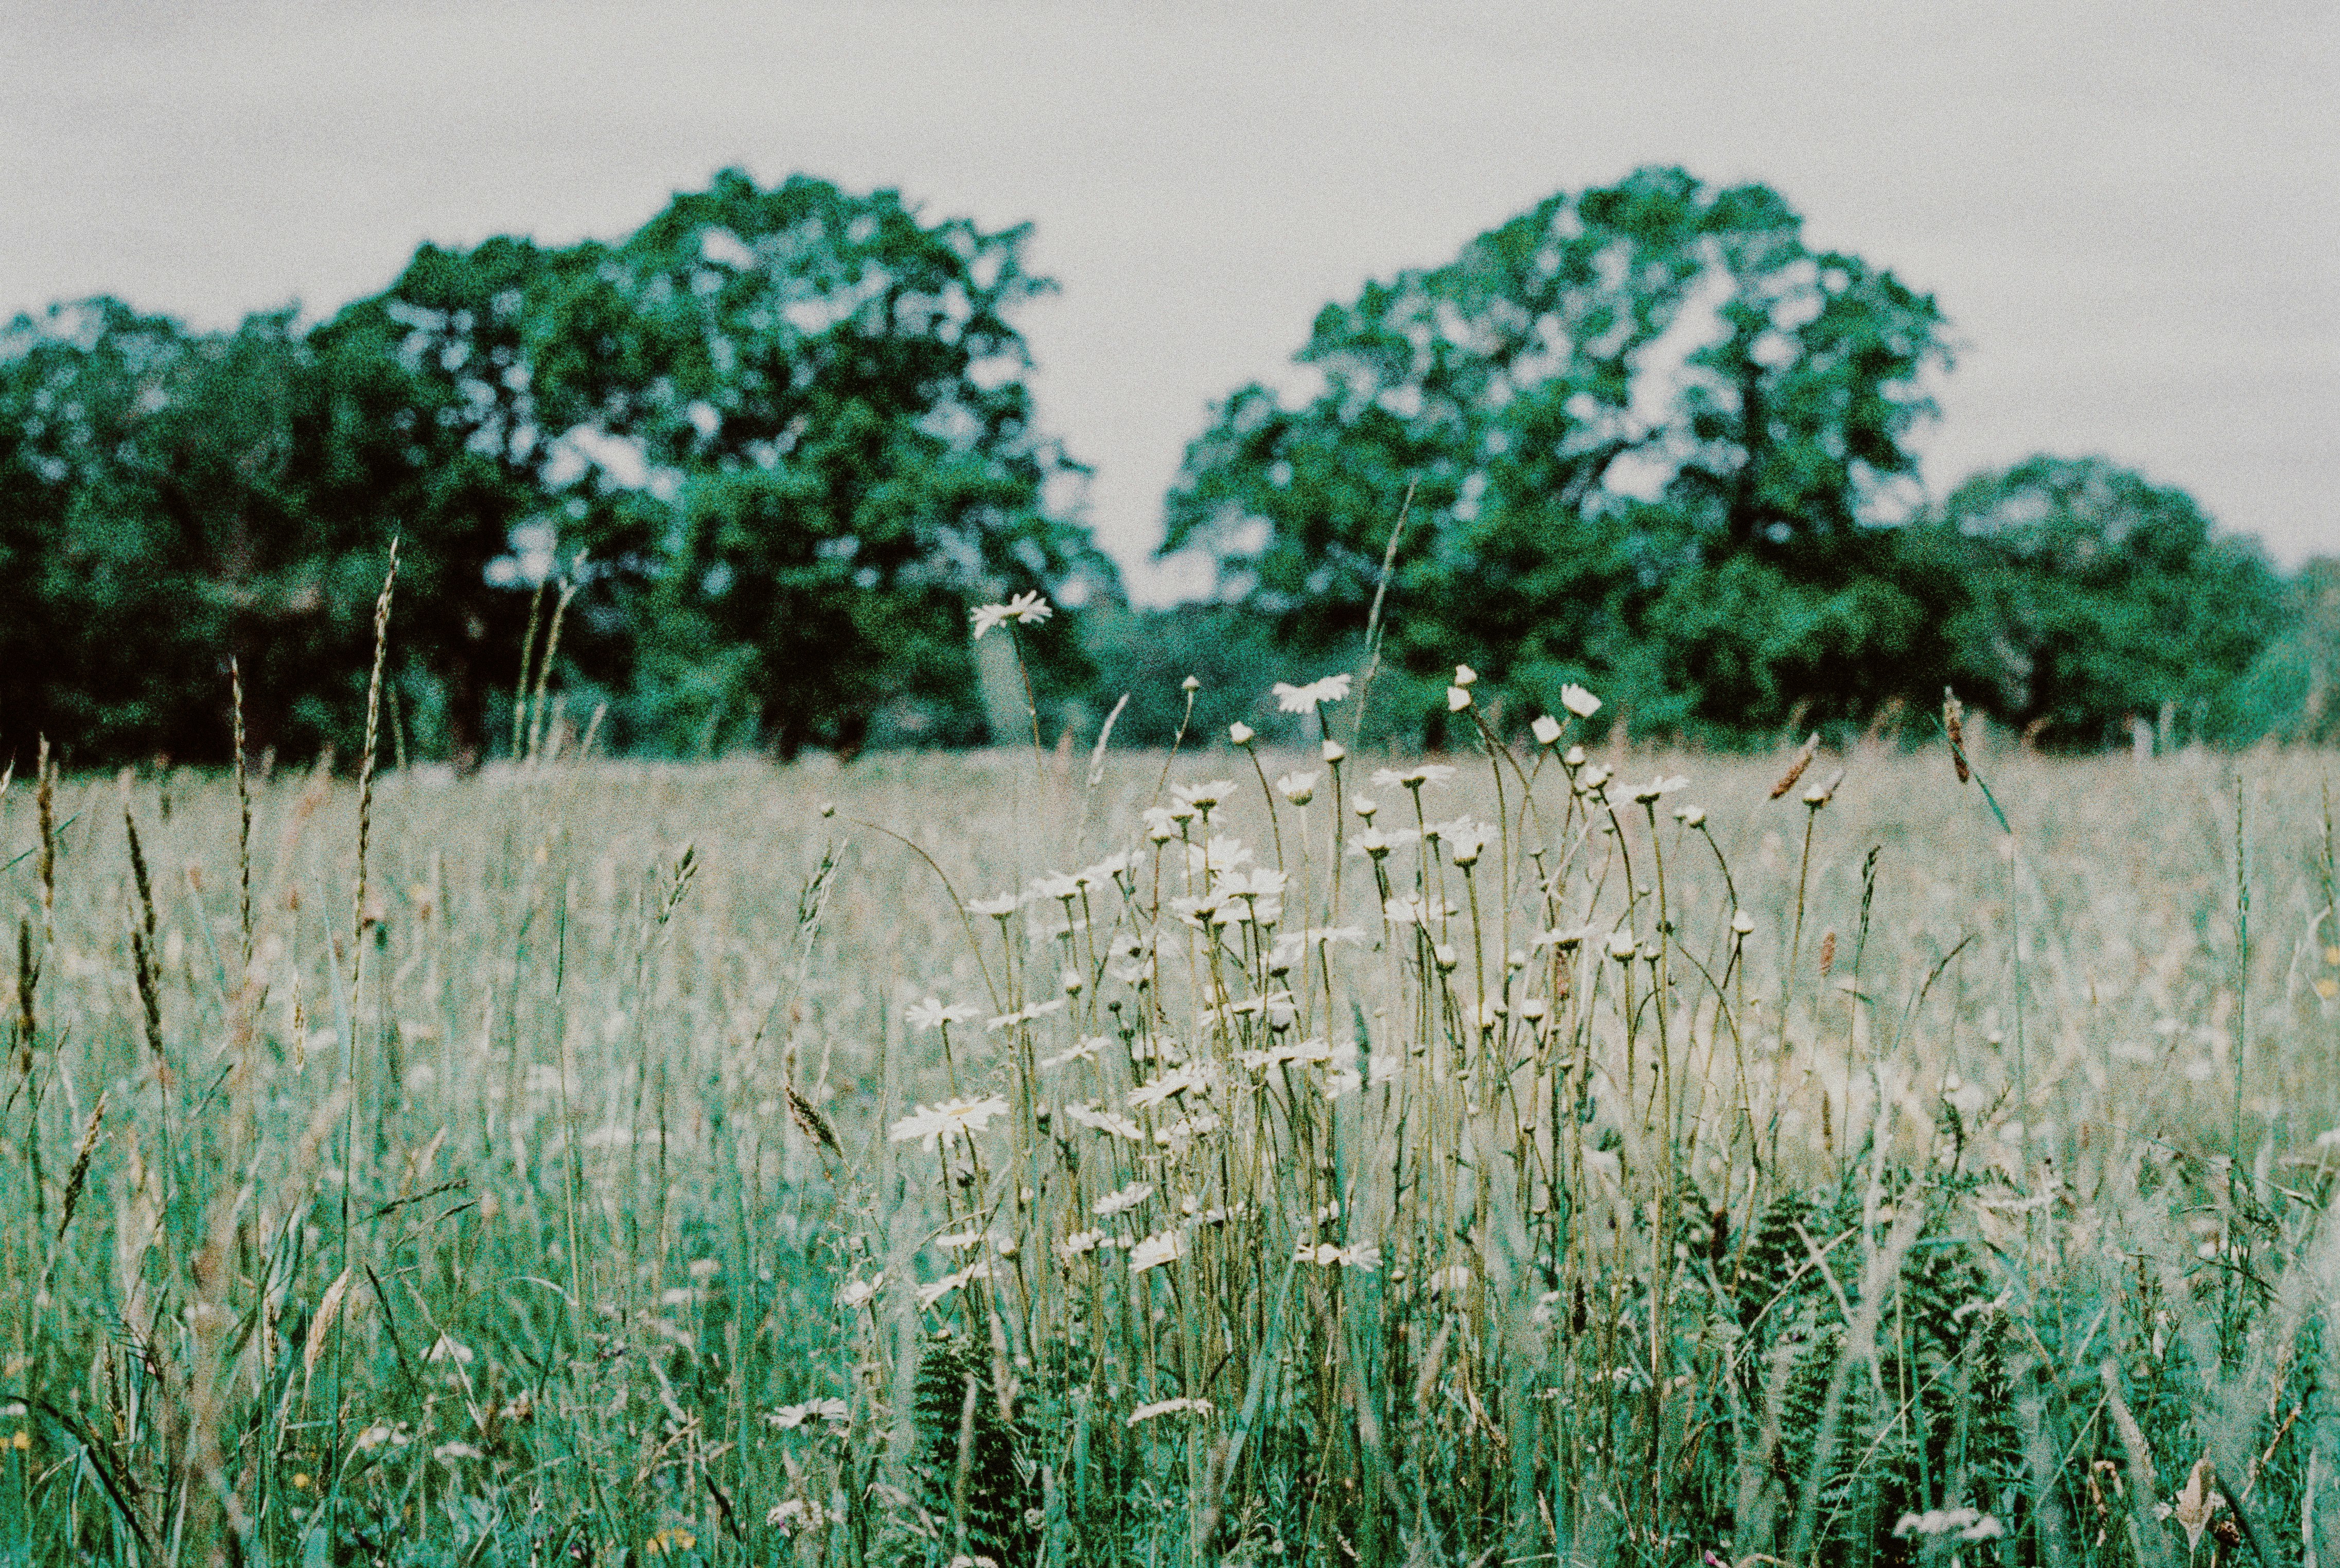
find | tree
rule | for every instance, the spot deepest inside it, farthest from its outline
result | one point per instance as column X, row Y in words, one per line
column 832, row 392
column 1597, row 403
column 779, row 439
column 2094, row 596
column 152, row 532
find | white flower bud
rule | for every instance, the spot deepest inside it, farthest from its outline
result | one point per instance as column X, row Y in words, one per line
column 1239, row 732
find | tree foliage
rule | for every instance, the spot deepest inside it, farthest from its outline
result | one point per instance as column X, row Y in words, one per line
column 1647, row 408
column 1647, row 438
column 2090, row 597
column 779, row 440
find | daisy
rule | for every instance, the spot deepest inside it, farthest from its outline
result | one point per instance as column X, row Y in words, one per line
column 1205, row 795
column 1293, row 698
column 1172, row 1407
column 1121, row 1201
column 1084, row 1049
column 1156, row 1250
column 1412, row 910
column 928, row 1013
column 789, row 1417
column 1579, row 701
column 1113, row 1122
column 1024, row 610
column 930, row 1293
column 1546, row 730
column 1412, row 778
column 1025, row 1015
column 952, row 1118
column 1292, row 944
column 1146, row 1095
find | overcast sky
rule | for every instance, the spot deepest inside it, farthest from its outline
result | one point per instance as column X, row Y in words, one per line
column 2130, row 211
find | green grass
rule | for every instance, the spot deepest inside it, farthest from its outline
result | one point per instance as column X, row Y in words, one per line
column 514, row 1229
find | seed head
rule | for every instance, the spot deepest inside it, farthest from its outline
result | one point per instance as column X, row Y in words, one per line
column 1954, row 716
column 1796, row 765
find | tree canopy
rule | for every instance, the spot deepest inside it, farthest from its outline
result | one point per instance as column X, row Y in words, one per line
column 779, row 440
column 1646, row 437
column 774, row 443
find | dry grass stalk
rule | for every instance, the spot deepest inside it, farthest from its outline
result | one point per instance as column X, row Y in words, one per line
column 1797, row 764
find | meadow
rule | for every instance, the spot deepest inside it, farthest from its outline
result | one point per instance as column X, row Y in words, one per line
column 1517, row 1156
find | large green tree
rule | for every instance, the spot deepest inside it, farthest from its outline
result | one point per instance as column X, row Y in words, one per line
column 780, row 440
column 827, row 395
column 1646, row 429
column 2091, row 596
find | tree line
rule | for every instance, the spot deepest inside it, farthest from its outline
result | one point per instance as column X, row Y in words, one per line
column 759, row 460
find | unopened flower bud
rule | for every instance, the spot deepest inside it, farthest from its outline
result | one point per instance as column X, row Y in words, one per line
column 1239, row 732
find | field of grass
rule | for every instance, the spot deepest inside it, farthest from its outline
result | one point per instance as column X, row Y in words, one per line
column 938, row 1159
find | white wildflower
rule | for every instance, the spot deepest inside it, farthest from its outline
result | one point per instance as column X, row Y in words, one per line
column 926, row 1015
column 1026, row 1015
column 1297, row 788
column 1172, row 1407
column 1579, row 701
column 1156, row 1250
column 1146, row 1095
column 1292, row 944
column 1293, row 698
column 1121, row 1201
column 934, row 1292
column 1413, row 909
column 1055, row 885
column 1084, row 1049
column 1113, row 1122
column 960, row 1118
column 1546, row 730
column 1364, row 1258
column 1412, row 778
column 1024, row 610
column 861, row 1292
column 811, row 1412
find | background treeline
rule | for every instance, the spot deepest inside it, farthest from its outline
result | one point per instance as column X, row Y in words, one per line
column 765, row 452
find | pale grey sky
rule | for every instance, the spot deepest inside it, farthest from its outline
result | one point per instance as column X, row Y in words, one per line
column 2126, row 207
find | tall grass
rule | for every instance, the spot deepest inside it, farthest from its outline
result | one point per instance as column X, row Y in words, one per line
column 1542, row 1166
